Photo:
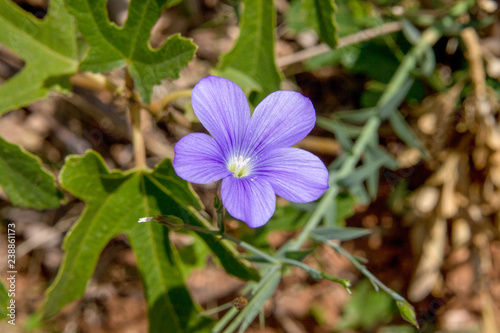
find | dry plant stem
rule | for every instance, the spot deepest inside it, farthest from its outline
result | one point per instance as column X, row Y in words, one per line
column 92, row 81
column 173, row 96
column 358, row 37
column 99, row 82
column 137, row 137
column 485, row 267
column 135, row 119
column 476, row 70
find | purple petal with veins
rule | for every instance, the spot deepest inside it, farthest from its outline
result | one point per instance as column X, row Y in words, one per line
column 251, row 155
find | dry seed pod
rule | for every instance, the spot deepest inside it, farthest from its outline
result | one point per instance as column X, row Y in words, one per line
column 239, row 303
column 460, row 233
column 427, row 123
column 409, row 158
column 493, row 138
column 429, row 266
column 426, row 199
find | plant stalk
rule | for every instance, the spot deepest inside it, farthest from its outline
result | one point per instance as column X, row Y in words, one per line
column 135, row 120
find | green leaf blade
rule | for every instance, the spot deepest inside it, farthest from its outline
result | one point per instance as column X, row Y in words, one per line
column 327, row 26
column 342, row 234
column 94, row 229
column 167, row 296
column 25, row 181
column 115, row 202
column 253, row 52
column 47, row 46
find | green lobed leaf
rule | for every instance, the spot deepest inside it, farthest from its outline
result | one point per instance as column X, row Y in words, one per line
column 47, row 46
column 113, row 47
column 23, row 179
column 4, row 300
column 115, row 202
column 342, row 234
column 253, row 52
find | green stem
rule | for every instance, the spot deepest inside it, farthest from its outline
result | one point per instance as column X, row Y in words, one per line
column 315, row 218
column 366, row 272
column 250, row 248
column 215, row 310
column 365, row 138
column 278, row 262
column 176, row 226
column 225, row 320
column 429, row 38
column 345, row 283
column 317, row 274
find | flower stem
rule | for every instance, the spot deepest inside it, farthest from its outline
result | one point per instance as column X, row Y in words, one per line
column 215, row 310
column 316, row 217
column 250, row 248
column 174, row 225
column 135, row 119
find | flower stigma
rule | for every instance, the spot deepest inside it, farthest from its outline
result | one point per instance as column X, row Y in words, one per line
column 239, row 166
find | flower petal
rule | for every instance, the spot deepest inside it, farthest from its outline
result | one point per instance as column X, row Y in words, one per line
column 222, row 107
column 294, row 174
column 199, row 159
column 251, row 200
column 281, row 120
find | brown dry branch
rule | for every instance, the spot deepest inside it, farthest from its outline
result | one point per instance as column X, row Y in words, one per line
column 358, row 37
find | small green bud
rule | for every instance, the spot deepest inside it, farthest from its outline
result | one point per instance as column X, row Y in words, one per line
column 171, row 222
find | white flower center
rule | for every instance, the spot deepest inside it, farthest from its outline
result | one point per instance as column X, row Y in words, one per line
column 239, row 166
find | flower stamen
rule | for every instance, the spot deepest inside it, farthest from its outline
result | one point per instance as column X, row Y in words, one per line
column 239, row 166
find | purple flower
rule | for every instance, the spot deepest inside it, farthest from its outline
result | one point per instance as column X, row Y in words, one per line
column 251, row 155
